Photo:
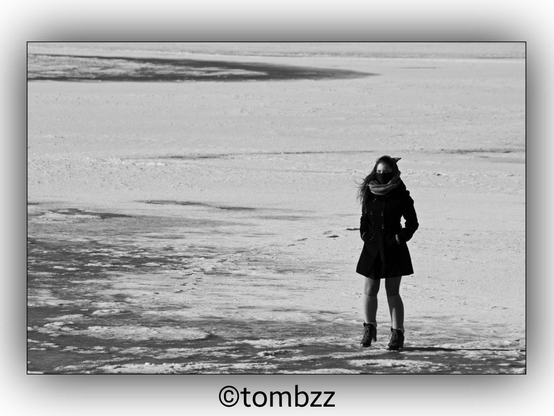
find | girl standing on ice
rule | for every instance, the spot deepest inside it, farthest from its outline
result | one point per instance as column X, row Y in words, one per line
column 385, row 200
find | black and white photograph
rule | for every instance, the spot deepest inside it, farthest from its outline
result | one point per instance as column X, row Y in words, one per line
column 291, row 208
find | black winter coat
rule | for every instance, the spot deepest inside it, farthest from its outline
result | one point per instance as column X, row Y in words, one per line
column 382, row 255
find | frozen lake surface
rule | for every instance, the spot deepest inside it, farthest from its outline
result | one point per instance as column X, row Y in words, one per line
column 207, row 227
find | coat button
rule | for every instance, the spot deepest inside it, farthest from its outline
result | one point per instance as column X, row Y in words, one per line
column 382, row 227
column 370, row 212
column 382, row 213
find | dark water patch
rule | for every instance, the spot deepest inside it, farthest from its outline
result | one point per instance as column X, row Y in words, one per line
column 174, row 202
column 448, row 349
column 80, row 225
column 284, row 217
column 288, row 217
column 496, row 155
column 249, row 154
column 101, row 215
column 481, row 150
column 195, row 156
column 229, row 208
column 500, row 57
column 420, row 67
column 50, row 67
column 169, row 236
column 288, row 270
column 57, row 260
column 502, row 159
column 47, row 361
column 198, row 204
column 42, row 314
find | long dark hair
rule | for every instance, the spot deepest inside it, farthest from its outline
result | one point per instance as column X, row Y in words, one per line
column 363, row 188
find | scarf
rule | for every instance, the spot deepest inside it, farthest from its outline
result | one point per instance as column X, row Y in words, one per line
column 383, row 189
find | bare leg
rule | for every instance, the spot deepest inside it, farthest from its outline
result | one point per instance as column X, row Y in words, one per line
column 396, row 306
column 369, row 298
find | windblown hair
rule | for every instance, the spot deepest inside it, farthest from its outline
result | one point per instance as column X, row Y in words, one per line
column 363, row 188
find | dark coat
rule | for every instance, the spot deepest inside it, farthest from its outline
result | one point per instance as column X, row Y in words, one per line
column 382, row 256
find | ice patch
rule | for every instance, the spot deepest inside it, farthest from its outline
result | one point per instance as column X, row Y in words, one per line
column 108, row 312
column 278, row 353
column 67, row 318
column 293, row 342
column 410, row 365
column 212, row 352
column 194, row 368
column 137, row 333
column 330, row 371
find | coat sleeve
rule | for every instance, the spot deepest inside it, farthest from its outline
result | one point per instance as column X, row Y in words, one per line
column 410, row 217
column 364, row 226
